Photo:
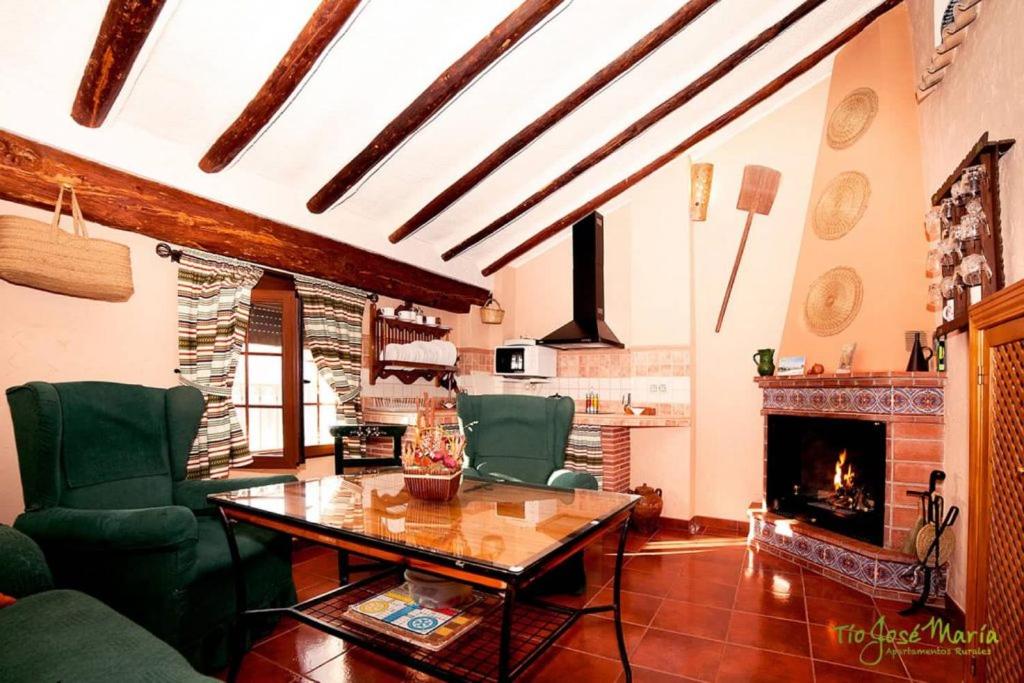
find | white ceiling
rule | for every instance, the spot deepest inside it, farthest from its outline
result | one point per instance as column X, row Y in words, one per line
column 206, row 58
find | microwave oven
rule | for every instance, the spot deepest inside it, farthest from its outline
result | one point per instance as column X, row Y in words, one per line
column 525, row 361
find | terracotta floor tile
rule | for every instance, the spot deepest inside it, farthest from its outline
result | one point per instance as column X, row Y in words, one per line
column 835, row 613
column 642, row 675
column 596, row 636
column 662, row 564
column 770, row 604
column 257, row 669
column 284, row 625
column 308, row 552
column 758, row 559
column 702, row 592
column 769, row 579
column 827, row 672
column 559, row 665
column 302, row 649
column 360, row 666
column 693, row 566
column 646, row 583
column 768, row 633
column 575, row 600
column 637, row 608
column 749, row 665
column 894, row 620
column 816, row 586
column 692, row 619
column 825, row 645
column 680, row 654
column 315, row 589
column 934, row 668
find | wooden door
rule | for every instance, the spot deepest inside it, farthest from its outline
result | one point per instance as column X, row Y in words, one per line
column 995, row 569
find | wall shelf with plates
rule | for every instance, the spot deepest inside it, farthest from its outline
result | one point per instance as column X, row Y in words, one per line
column 390, row 329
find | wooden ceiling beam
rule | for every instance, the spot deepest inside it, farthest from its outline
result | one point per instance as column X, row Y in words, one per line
column 800, row 68
column 305, row 51
column 30, row 173
column 638, row 127
column 444, row 88
column 125, row 27
column 620, row 65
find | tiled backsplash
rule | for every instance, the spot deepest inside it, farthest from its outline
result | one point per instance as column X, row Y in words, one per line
column 655, row 376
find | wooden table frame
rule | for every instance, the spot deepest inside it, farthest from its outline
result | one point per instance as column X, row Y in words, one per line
column 507, row 584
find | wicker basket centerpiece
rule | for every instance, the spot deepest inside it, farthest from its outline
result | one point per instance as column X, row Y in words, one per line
column 432, row 457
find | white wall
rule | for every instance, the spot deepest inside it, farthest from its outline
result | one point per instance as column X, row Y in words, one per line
column 55, row 338
column 727, row 422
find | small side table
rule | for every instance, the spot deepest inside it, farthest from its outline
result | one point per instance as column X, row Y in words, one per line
column 367, row 431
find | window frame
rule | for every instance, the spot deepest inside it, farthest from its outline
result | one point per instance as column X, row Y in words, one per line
column 279, row 290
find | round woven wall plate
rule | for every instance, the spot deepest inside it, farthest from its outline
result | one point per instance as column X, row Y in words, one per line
column 841, row 205
column 833, row 301
column 851, row 118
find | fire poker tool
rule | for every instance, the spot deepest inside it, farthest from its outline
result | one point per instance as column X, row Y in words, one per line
column 757, row 194
column 935, row 540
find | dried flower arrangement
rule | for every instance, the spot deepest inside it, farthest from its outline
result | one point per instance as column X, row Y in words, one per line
column 432, row 456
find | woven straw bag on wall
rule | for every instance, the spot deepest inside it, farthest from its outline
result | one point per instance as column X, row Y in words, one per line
column 43, row 256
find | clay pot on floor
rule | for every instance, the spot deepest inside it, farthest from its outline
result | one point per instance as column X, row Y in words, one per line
column 647, row 513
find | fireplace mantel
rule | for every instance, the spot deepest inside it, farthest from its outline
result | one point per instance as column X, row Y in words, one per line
column 912, row 406
column 907, row 396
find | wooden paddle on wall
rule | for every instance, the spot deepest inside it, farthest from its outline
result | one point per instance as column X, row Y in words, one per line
column 757, row 194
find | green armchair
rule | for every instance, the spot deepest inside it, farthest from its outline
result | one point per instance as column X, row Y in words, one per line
column 520, row 438
column 106, row 498
column 523, row 439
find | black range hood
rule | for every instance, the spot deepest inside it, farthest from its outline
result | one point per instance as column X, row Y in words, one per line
column 587, row 329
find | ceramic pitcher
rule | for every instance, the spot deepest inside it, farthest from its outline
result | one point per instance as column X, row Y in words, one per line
column 765, row 359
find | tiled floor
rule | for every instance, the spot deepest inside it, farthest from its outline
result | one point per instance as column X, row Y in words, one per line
column 696, row 608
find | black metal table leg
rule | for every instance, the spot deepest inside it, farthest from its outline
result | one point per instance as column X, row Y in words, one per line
column 343, row 567
column 236, row 647
column 509, row 599
column 616, row 600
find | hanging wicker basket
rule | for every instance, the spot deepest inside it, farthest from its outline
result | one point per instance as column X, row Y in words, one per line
column 492, row 313
column 43, row 256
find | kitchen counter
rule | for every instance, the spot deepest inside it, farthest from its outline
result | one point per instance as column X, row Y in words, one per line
column 631, row 421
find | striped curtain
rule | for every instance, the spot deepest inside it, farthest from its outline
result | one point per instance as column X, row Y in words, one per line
column 214, row 297
column 583, row 452
column 332, row 323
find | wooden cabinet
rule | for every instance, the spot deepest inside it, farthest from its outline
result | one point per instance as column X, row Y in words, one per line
column 995, row 565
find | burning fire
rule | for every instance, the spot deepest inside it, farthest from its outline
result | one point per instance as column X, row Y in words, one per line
column 843, row 479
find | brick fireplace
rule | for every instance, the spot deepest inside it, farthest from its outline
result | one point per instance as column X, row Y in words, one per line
column 898, row 415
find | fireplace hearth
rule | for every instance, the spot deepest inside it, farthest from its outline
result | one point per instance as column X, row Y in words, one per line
column 829, row 472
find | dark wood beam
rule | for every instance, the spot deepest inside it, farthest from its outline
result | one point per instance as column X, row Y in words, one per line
column 445, row 87
column 620, row 65
column 800, row 68
column 316, row 36
column 30, row 173
column 638, row 127
column 124, row 30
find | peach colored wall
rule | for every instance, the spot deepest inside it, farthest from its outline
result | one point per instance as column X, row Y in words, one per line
column 979, row 93
column 58, row 338
column 886, row 247
column 727, row 423
column 647, row 304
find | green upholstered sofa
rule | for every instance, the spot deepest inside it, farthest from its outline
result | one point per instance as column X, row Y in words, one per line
column 63, row 635
column 106, row 498
column 520, row 438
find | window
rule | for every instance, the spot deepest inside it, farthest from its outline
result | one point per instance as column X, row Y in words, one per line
column 287, row 409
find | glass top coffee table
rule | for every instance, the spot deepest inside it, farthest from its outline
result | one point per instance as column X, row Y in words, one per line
column 498, row 537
